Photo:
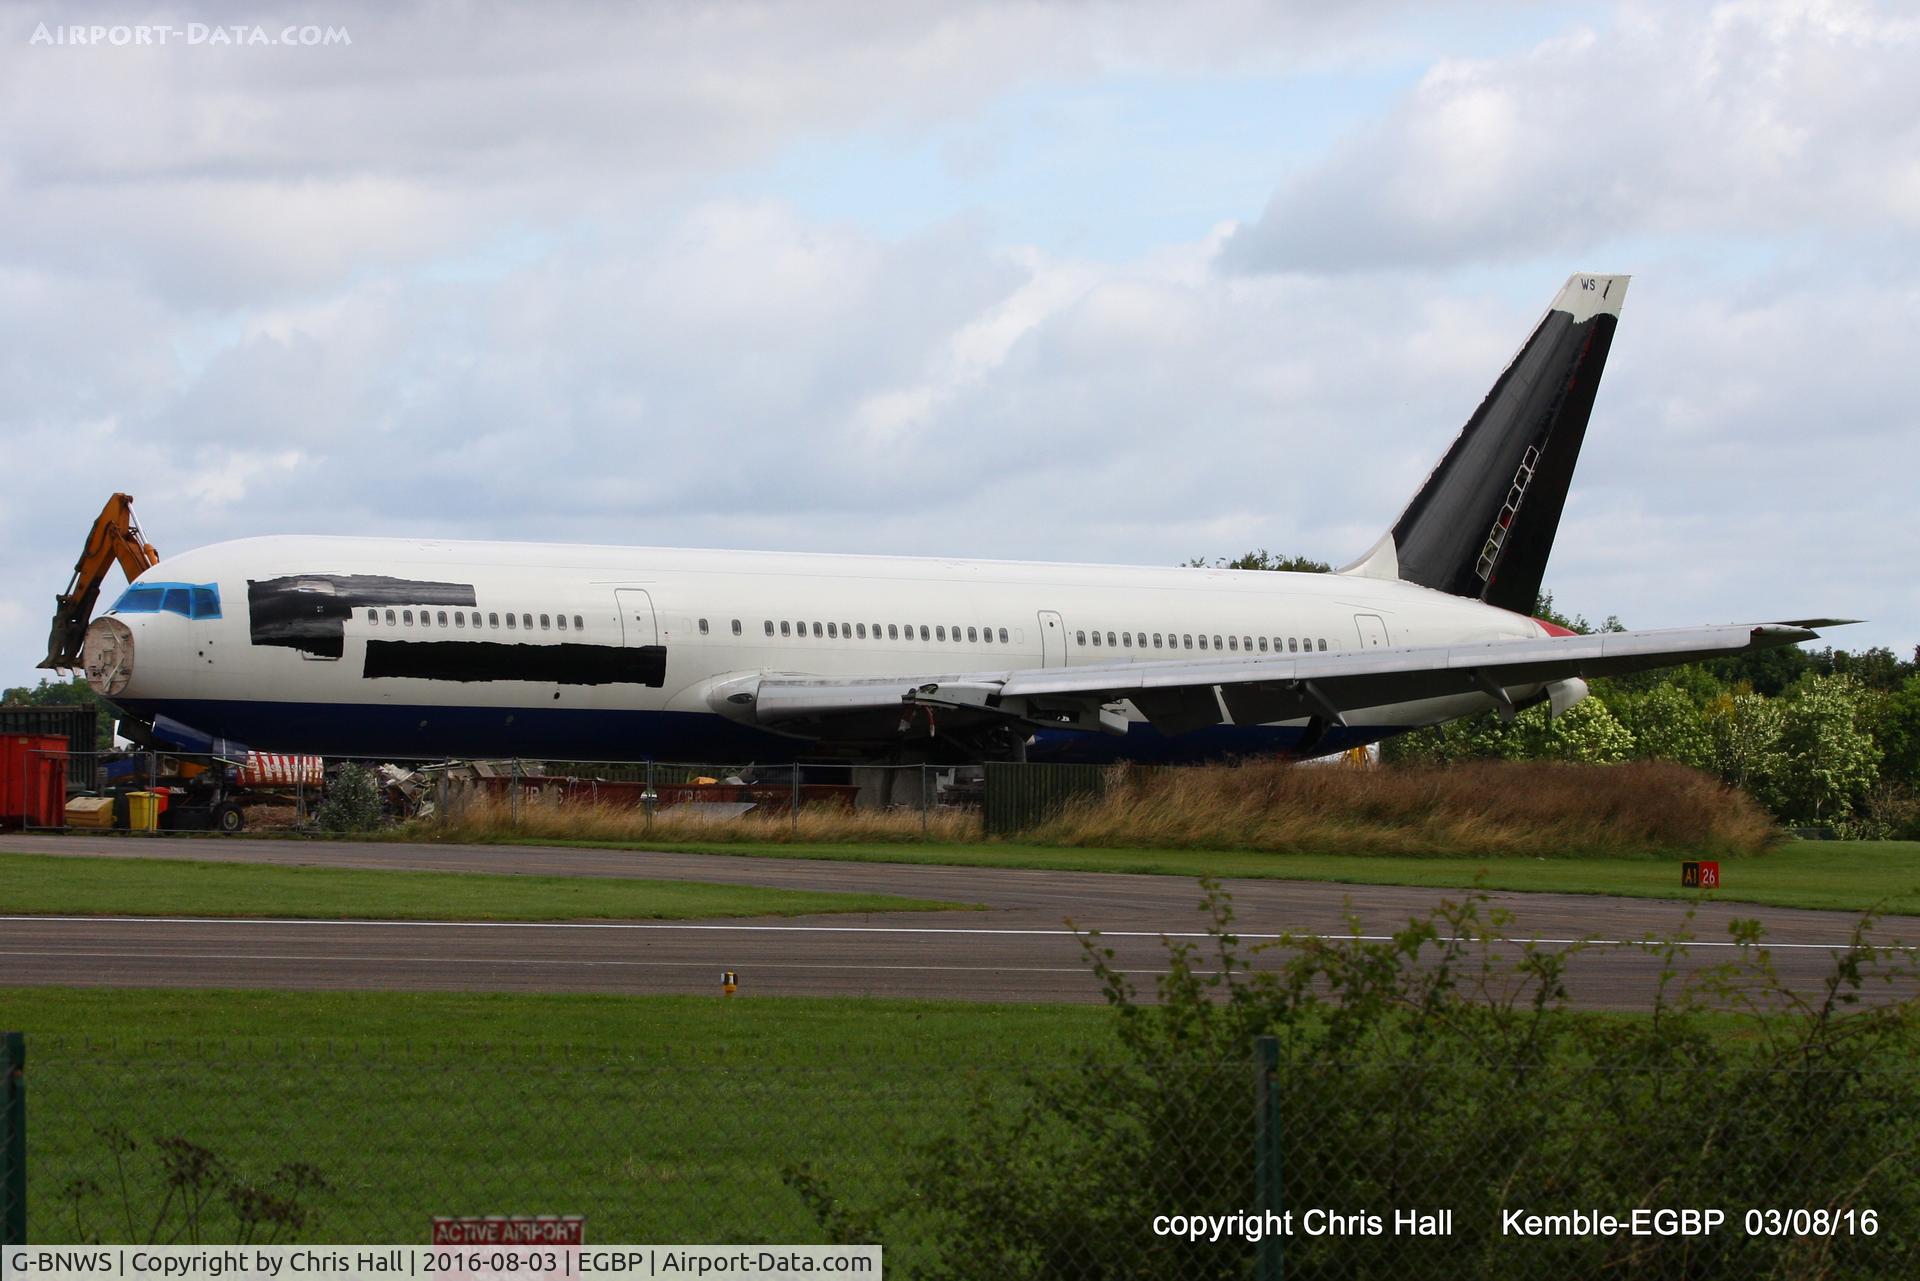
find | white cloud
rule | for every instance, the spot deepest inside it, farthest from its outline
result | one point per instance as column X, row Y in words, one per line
column 1752, row 117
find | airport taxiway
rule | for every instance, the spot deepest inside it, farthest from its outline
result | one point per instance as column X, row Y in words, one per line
column 1023, row 947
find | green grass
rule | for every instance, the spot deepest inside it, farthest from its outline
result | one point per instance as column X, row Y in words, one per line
column 1841, row 875
column 53, row 884
column 659, row 1118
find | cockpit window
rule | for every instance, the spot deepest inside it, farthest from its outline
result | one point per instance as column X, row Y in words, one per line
column 189, row 600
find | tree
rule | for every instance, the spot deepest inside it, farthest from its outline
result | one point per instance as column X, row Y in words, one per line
column 1899, row 734
column 77, row 692
column 1745, row 729
column 1829, row 761
column 1587, row 732
column 1666, row 726
column 1263, row 559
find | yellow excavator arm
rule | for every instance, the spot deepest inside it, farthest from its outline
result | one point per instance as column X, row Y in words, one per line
column 116, row 537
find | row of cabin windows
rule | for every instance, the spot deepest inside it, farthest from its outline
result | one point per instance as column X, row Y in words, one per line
column 881, row 631
column 1184, row 640
column 458, row 618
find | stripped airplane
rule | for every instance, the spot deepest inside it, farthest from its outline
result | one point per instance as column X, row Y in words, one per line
column 411, row 648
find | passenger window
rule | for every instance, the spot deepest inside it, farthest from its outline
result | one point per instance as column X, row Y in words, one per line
column 1189, row 641
column 816, row 630
column 859, row 631
column 986, row 635
column 923, row 631
column 1110, row 639
column 973, row 636
column 1246, row 643
column 786, row 629
column 846, row 631
column 833, row 630
column 1096, row 640
column 389, row 618
column 1003, row 635
column 1293, row 645
column 442, row 620
column 1263, row 644
column 459, row 619
column 893, row 631
column 1156, row 640
column 526, row 622
column 1306, row 643
column 1323, row 644
column 579, row 626
column 493, row 619
column 769, row 623
column 1079, row 638
column 373, row 616
column 1203, row 641
column 736, row 627
column 703, row 625
column 513, row 621
column 559, row 621
column 1233, row 643
column 546, row 623
column 939, row 633
column 1216, row 642
column 406, row 616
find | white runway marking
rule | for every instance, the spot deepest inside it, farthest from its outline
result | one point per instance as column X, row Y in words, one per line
column 988, row 931
column 514, row 960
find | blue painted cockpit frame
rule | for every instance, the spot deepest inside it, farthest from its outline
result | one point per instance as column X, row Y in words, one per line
column 189, row 600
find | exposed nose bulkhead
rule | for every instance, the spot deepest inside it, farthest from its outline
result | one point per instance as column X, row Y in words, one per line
column 107, row 656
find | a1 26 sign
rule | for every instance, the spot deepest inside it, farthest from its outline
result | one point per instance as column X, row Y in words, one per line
column 1700, row 876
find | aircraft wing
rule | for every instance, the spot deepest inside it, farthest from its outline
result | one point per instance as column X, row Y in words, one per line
column 1185, row 694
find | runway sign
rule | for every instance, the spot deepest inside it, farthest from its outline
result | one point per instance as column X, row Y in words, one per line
column 1700, row 876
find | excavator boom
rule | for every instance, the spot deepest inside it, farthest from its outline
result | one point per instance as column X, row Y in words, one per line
column 115, row 538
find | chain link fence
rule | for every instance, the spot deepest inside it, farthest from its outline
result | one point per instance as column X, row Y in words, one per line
column 1095, row 1169
column 177, row 792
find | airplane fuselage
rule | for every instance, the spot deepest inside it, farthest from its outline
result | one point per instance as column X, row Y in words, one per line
column 416, row 648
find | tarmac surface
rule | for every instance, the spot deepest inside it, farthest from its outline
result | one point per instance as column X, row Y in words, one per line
column 1022, row 948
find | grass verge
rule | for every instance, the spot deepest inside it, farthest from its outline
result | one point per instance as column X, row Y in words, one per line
column 659, row 1118
column 52, row 884
column 1850, row 876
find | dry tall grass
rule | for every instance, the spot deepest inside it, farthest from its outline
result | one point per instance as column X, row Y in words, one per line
column 1494, row 808
column 1491, row 808
column 482, row 818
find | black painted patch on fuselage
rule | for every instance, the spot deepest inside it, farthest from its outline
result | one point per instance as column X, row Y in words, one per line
column 308, row 612
column 563, row 664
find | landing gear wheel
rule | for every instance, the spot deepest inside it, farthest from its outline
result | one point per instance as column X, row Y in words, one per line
column 228, row 817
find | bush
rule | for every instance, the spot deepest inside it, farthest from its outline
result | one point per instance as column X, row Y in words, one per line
column 1438, row 1068
column 352, row 803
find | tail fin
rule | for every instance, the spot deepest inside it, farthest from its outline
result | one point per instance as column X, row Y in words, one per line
column 1483, row 523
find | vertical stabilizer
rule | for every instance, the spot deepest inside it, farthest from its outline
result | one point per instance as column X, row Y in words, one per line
column 1483, row 523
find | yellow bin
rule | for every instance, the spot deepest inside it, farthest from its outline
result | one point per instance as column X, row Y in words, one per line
column 143, row 811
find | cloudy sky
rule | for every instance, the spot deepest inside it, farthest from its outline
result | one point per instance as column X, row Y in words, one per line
column 1108, row 282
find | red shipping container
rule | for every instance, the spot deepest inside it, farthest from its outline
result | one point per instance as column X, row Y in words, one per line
column 33, row 780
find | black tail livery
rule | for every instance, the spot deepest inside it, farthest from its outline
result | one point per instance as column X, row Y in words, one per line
column 1482, row 524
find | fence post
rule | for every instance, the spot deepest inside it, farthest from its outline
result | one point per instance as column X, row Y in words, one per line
column 1270, row 1259
column 13, row 1143
column 926, row 800
column 513, row 797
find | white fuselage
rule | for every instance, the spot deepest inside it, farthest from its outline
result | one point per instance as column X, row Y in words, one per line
column 707, row 616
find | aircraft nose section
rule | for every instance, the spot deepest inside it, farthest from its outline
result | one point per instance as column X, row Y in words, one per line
column 107, row 656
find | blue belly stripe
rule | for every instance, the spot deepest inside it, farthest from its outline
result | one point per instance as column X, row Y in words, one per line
column 555, row 733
